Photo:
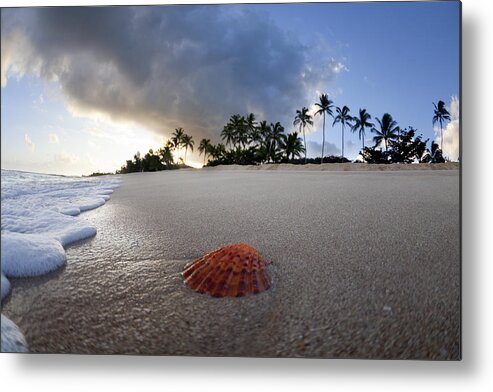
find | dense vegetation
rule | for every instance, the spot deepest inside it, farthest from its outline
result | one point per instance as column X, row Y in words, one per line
column 97, row 174
column 249, row 142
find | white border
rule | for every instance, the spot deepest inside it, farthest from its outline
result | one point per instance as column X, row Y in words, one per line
column 473, row 373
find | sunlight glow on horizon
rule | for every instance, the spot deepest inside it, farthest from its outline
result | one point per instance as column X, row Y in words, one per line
column 194, row 164
column 60, row 138
column 53, row 140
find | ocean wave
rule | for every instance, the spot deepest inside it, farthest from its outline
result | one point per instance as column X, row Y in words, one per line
column 39, row 218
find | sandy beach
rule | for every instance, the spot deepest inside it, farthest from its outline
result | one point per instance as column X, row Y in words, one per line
column 365, row 264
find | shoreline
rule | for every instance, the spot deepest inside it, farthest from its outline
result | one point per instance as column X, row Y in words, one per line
column 350, row 280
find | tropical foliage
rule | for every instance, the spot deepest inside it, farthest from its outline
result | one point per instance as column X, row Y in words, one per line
column 251, row 142
column 205, row 148
column 440, row 115
column 246, row 141
column 388, row 131
column 325, row 106
column 303, row 119
column 344, row 118
column 405, row 148
column 187, row 142
column 360, row 123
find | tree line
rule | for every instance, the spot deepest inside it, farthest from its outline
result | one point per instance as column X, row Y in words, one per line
column 246, row 141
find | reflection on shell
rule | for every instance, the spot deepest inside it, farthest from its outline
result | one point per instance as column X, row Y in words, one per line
column 231, row 271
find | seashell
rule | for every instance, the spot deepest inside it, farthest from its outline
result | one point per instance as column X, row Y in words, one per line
column 231, row 271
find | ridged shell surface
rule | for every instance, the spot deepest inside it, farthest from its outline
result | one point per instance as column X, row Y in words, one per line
column 231, row 271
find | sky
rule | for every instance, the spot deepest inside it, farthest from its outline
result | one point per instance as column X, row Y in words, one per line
column 84, row 89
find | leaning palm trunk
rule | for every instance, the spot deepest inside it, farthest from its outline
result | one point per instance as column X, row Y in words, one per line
column 323, row 141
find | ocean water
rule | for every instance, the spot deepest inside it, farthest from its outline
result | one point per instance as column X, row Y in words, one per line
column 40, row 217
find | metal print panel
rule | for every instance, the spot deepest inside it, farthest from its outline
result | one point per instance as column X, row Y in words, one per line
column 255, row 180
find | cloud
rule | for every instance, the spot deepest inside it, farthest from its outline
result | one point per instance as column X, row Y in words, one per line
column 29, row 143
column 337, row 66
column 94, row 132
column 352, row 149
column 314, row 149
column 451, row 146
column 61, row 163
column 166, row 67
column 66, row 158
column 318, row 118
column 54, row 138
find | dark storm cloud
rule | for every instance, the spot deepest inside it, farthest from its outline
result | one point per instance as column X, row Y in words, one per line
column 164, row 67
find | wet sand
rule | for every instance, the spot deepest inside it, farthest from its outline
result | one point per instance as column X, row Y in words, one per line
column 365, row 265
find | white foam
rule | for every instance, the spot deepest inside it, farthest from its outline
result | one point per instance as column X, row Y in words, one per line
column 25, row 255
column 49, row 224
column 5, row 285
column 40, row 216
column 13, row 340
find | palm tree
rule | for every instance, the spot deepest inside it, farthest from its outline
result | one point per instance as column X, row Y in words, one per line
column 292, row 145
column 239, row 126
column 360, row 123
column 177, row 139
column 388, row 130
column 277, row 130
column 204, row 147
column 138, row 161
column 243, row 132
column 219, row 150
column 440, row 114
column 187, row 142
column 228, row 134
column 344, row 118
column 254, row 137
column 252, row 130
column 250, row 121
column 235, row 131
column 166, row 153
column 325, row 106
column 274, row 140
column 303, row 119
column 263, row 129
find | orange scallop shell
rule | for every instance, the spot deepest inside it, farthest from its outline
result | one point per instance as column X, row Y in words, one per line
column 231, row 271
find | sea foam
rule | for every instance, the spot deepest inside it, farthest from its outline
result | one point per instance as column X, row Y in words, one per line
column 39, row 217
column 12, row 339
